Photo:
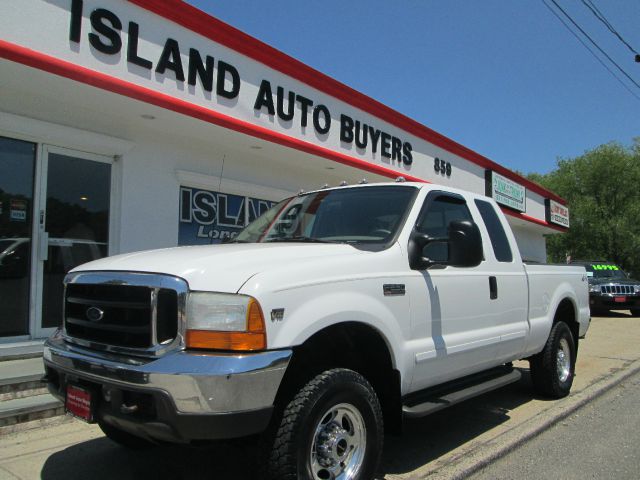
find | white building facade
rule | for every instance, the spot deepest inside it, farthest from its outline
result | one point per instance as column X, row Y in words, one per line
column 130, row 125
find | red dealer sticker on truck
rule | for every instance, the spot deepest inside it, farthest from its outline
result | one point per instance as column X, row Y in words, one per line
column 78, row 403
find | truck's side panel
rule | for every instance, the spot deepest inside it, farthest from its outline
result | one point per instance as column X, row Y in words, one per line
column 466, row 319
column 459, row 327
column 332, row 296
column 510, row 284
column 549, row 285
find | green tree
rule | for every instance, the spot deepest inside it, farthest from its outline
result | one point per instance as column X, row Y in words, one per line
column 602, row 188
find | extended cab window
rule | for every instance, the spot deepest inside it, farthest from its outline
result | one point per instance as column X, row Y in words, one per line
column 435, row 220
column 499, row 240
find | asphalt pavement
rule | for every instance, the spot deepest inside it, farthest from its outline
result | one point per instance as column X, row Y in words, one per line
column 450, row 444
column 601, row 440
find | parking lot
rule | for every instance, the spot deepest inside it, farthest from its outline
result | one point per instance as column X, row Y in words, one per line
column 449, row 444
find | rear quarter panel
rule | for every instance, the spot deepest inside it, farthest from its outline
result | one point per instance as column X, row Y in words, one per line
column 548, row 286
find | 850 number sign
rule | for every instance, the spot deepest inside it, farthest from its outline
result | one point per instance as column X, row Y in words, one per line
column 442, row 167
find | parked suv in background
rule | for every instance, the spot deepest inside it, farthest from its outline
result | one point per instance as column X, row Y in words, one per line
column 610, row 288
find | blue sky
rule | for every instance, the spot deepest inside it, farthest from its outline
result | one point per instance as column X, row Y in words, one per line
column 503, row 77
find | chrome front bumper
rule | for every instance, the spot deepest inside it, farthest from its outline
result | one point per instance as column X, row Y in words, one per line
column 187, row 384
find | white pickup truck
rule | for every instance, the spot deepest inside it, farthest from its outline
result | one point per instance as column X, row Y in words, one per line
column 335, row 315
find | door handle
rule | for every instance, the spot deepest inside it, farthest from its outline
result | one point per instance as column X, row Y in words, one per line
column 43, row 250
column 493, row 288
column 44, row 246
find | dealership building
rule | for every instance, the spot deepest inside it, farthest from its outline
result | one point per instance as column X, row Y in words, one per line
column 138, row 124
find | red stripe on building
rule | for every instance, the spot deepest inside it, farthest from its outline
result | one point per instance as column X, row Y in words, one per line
column 47, row 63
column 100, row 80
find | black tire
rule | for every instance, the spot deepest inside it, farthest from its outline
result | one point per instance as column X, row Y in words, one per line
column 310, row 441
column 635, row 312
column 547, row 374
column 124, row 439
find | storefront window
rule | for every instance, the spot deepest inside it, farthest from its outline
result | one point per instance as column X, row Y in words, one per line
column 208, row 217
column 17, row 163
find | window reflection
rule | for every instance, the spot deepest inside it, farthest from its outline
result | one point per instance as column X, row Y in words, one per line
column 78, row 196
column 17, row 164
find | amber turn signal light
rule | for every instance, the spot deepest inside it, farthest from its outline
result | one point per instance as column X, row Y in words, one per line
column 254, row 338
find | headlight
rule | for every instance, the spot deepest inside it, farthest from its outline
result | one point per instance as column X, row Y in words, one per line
column 594, row 289
column 220, row 321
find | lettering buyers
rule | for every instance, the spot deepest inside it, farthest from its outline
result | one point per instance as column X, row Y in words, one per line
column 106, row 37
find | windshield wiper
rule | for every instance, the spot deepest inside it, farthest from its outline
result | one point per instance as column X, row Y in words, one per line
column 299, row 238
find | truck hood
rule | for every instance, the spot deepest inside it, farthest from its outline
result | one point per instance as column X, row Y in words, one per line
column 219, row 268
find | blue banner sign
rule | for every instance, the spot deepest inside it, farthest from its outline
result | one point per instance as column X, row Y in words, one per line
column 208, row 217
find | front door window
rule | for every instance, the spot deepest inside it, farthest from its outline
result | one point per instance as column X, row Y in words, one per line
column 77, row 223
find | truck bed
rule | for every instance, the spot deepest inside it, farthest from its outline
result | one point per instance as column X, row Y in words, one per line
column 547, row 283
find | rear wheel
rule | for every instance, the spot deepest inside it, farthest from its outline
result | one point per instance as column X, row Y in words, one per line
column 635, row 312
column 331, row 430
column 123, row 438
column 553, row 369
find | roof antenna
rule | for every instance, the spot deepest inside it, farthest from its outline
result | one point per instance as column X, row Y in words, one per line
column 400, row 179
column 363, row 182
column 343, row 183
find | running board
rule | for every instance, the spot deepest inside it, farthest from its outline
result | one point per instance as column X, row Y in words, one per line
column 431, row 400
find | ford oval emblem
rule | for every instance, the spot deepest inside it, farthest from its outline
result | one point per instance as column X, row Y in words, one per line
column 94, row 314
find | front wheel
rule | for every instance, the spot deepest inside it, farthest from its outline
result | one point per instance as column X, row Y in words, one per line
column 331, row 430
column 553, row 369
column 635, row 312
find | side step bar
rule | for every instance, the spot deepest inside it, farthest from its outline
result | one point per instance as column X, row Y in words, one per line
column 431, row 400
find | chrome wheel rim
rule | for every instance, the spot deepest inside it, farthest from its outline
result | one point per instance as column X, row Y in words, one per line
column 339, row 443
column 563, row 360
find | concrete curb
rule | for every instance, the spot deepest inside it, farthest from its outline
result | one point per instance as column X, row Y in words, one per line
column 480, row 455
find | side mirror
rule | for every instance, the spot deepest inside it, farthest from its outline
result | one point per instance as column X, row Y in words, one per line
column 464, row 246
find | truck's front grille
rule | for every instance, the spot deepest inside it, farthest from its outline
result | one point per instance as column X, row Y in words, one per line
column 131, row 311
column 617, row 289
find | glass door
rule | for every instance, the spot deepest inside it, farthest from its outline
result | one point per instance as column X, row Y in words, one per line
column 17, row 167
column 75, row 199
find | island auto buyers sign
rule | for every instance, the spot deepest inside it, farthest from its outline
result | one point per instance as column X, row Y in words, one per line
column 208, row 74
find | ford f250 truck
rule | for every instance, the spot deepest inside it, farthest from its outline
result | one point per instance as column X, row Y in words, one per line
column 335, row 315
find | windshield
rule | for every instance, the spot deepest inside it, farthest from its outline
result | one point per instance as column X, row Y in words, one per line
column 605, row 271
column 354, row 215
